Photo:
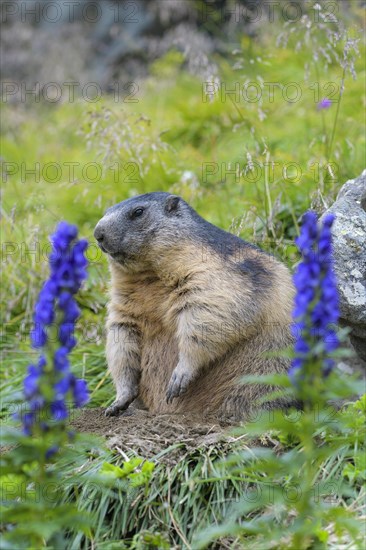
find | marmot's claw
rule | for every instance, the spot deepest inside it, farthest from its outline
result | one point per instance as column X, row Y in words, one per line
column 111, row 411
column 115, row 408
column 177, row 386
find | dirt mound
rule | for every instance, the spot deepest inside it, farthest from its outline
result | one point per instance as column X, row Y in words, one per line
column 166, row 436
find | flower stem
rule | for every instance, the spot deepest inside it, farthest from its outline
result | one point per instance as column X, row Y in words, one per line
column 330, row 149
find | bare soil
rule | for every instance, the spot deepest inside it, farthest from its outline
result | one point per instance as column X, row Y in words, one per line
column 167, row 437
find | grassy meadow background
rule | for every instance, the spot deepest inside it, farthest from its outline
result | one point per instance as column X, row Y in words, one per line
column 288, row 156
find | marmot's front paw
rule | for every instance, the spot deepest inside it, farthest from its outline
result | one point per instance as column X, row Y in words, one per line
column 178, row 383
column 116, row 407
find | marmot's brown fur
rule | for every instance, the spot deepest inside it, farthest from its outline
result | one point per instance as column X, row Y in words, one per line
column 193, row 309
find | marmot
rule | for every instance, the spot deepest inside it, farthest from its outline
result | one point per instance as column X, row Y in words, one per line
column 193, row 309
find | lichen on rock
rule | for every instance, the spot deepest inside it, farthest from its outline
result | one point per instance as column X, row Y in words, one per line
column 349, row 245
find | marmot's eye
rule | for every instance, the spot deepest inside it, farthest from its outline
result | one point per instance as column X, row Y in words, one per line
column 138, row 212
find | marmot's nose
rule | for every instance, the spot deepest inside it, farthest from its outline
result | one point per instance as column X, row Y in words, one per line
column 99, row 233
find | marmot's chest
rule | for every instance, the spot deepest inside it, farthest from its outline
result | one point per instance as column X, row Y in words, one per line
column 153, row 304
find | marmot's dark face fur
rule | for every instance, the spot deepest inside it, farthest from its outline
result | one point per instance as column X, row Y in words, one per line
column 193, row 308
column 130, row 230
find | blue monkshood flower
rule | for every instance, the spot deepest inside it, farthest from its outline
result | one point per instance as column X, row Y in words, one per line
column 316, row 308
column 28, row 421
column 63, row 386
column 56, row 305
column 64, row 299
column 80, row 393
column 61, row 359
column 66, row 337
column 78, row 388
column 63, row 237
column 31, row 382
column 38, row 336
column 51, row 451
column 44, row 313
column 71, row 312
column 325, row 103
column 308, row 235
column 59, row 409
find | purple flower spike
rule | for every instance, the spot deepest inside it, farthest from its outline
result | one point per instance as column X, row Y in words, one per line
column 56, row 304
column 316, row 302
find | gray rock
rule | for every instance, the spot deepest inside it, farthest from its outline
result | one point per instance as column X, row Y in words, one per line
column 349, row 244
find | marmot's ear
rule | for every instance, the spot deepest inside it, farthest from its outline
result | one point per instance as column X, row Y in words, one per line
column 171, row 203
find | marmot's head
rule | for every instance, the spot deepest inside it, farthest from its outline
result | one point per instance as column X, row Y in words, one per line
column 146, row 225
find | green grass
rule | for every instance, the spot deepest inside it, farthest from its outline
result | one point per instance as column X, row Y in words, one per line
column 184, row 500
column 178, row 500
